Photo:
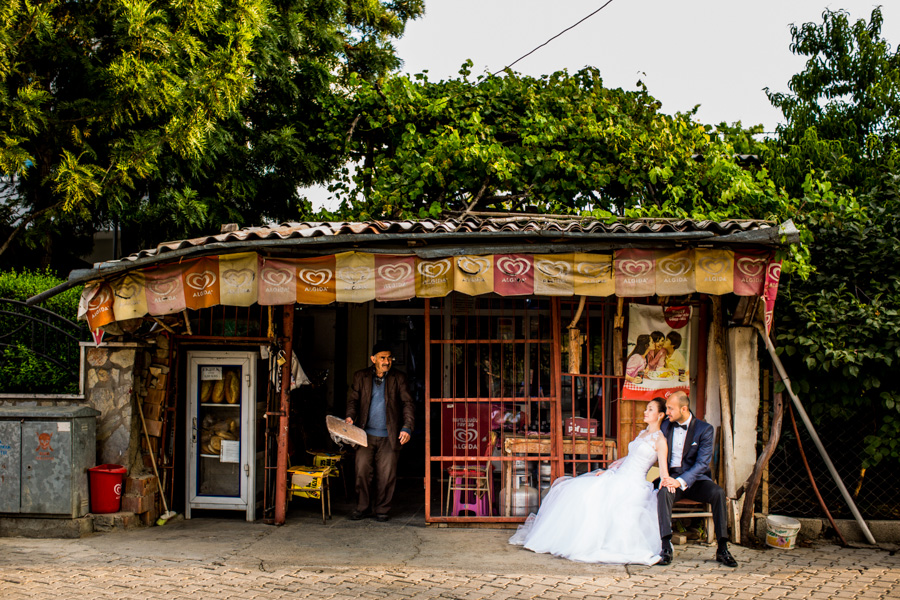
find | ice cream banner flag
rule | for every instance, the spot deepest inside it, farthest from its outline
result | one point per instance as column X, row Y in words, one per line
column 246, row 278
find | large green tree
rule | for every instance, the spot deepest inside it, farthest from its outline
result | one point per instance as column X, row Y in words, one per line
column 170, row 116
column 93, row 93
column 842, row 114
column 281, row 138
column 837, row 152
column 562, row 143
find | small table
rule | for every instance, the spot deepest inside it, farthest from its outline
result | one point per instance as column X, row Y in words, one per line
column 524, row 444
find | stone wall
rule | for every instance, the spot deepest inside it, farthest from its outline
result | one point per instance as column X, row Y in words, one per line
column 109, row 387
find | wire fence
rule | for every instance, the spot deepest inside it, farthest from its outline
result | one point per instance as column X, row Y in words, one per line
column 790, row 492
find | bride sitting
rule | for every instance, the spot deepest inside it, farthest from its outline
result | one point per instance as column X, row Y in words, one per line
column 605, row 516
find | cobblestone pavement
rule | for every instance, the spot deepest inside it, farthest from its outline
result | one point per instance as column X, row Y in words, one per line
column 228, row 559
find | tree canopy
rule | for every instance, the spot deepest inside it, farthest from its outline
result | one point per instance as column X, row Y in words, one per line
column 173, row 115
column 837, row 151
column 562, row 143
column 842, row 117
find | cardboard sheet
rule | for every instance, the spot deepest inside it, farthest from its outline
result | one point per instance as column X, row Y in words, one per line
column 343, row 432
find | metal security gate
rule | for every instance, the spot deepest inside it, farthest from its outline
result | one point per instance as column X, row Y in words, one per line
column 492, row 379
column 593, row 338
column 509, row 409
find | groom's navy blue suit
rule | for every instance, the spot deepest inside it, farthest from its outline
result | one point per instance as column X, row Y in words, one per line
column 694, row 471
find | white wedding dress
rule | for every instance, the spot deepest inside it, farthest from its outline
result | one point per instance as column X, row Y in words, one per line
column 600, row 517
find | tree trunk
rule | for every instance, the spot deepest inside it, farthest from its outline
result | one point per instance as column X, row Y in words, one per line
column 21, row 227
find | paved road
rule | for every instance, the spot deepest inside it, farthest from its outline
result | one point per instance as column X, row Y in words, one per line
column 219, row 559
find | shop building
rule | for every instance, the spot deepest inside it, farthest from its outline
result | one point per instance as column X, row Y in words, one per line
column 531, row 343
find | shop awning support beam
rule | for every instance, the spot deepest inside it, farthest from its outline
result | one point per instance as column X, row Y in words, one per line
column 284, row 419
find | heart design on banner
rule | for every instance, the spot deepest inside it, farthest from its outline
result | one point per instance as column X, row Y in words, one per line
column 473, row 266
column 354, row 275
column 163, row 287
column 127, row 291
column 775, row 271
column 201, row 281
column 433, row 270
column 276, row 277
column 238, row 278
column 674, row 267
column 593, row 270
column 395, row 273
column 713, row 266
column 635, row 268
column 465, row 436
column 556, row 269
column 514, row 267
column 100, row 298
column 751, row 267
column 315, row 277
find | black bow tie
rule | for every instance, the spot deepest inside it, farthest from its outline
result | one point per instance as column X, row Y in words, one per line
column 680, row 426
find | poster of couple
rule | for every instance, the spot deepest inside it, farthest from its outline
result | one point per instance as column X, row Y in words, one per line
column 658, row 359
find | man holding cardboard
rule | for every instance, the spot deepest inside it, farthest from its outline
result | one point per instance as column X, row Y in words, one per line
column 379, row 402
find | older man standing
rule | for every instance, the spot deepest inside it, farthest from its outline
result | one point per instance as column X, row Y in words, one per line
column 379, row 402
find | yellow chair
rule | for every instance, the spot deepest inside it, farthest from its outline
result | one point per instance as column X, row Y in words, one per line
column 333, row 460
column 310, row 482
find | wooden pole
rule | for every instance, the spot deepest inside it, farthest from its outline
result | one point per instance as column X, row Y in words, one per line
column 700, row 377
column 284, row 418
column 752, row 484
column 187, row 322
column 576, row 339
column 618, row 340
column 765, row 432
column 718, row 336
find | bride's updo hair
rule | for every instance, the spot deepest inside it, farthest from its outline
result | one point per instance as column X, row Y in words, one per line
column 660, row 404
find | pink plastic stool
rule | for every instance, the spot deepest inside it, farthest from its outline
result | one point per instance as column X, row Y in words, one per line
column 471, row 488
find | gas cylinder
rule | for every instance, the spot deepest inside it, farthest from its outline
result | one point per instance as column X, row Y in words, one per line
column 524, row 500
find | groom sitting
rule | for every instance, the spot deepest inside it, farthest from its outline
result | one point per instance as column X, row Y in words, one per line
column 690, row 452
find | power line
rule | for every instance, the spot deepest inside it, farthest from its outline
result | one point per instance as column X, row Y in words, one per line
column 608, row 2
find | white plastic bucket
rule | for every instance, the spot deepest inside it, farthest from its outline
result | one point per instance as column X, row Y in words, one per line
column 781, row 532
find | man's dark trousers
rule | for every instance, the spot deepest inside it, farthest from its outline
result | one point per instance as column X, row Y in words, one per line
column 700, row 491
column 385, row 464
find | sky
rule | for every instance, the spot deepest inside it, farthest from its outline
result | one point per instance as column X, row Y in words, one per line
column 718, row 54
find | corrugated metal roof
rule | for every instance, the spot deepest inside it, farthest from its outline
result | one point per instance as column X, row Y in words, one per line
column 430, row 238
column 513, row 225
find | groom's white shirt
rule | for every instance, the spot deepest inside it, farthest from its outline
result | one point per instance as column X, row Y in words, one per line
column 678, row 436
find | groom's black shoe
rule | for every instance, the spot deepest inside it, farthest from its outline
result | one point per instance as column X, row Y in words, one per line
column 665, row 557
column 724, row 556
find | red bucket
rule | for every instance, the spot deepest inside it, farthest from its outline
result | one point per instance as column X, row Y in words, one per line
column 106, row 488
